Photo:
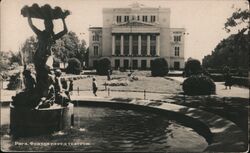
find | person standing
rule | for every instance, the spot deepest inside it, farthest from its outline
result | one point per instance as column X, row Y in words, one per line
column 94, row 86
column 228, row 80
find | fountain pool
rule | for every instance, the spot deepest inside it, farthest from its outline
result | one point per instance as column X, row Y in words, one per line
column 109, row 129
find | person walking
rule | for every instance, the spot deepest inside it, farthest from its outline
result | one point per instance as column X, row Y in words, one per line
column 94, row 86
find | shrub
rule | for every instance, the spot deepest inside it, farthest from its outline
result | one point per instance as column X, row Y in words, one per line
column 103, row 65
column 15, row 82
column 198, row 85
column 192, row 67
column 74, row 66
column 159, row 67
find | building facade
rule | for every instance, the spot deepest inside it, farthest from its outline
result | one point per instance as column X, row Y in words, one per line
column 133, row 37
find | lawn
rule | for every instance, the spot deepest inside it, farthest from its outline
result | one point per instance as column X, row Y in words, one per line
column 144, row 82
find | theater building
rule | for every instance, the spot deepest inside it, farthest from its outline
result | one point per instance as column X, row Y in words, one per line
column 134, row 36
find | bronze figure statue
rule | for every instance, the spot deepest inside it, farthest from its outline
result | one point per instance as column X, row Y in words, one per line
column 46, row 39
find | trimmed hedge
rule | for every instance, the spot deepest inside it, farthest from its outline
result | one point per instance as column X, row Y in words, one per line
column 74, row 66
column 103, row 65
column 159, row 67
column 192, row 67
column 199, row 85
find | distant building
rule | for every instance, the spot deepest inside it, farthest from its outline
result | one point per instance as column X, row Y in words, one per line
column 132, row 37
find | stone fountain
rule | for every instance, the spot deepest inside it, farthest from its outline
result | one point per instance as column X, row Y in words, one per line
column 43, row 106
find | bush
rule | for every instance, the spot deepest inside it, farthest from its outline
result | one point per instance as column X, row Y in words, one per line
column 159, row 67
column 198, row 85
column 15, row 82
column 103, row 65
column 74, row 66
column 192, row 67
column 241, row 81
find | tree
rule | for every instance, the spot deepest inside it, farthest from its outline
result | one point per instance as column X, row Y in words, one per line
column 16, row 58
column 4, row 61
column 69, row 46
column 28, row 50
column 234, row 50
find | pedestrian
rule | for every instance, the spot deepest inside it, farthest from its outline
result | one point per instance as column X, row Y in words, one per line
column 94, row 86
column 108, row 75
column 228, row 80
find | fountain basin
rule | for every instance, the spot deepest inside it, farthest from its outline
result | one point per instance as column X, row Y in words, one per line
column 29, row 122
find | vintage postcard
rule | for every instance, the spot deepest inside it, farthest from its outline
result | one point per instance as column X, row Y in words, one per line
column 124, row 75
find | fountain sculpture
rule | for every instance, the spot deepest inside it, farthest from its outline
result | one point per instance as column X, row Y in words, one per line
column 39, row 108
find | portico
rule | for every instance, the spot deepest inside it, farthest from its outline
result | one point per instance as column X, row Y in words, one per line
column 135, row 44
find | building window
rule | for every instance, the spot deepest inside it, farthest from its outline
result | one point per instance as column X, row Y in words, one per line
column 145, row 18
column 177, row 38
column 152, row 19
column 117, row 44
column 177, row 51
column 138, row 18
column 126, row 18
column 176, row 65
column 126, row 44
column 135, row 45
column 95, row 37
column 143, row 64
column 117, row 63
column 153, row 45
column 96, row 48
column 126, row 64
column 144, row 45
column 118, row 19
column 135, row 64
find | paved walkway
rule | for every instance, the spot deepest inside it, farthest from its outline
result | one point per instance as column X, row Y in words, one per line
column 5, row 95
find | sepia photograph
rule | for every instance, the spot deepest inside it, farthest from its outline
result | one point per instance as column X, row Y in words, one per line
column 124, row 76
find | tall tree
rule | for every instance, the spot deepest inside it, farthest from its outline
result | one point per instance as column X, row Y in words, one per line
column 234, row 50
column 69, row 46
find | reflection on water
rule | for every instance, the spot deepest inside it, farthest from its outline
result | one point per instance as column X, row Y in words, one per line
column 106, row 129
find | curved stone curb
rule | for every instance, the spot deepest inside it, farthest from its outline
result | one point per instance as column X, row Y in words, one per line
column 221, row 134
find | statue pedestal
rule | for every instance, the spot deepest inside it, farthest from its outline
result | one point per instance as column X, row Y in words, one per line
column 30, row 122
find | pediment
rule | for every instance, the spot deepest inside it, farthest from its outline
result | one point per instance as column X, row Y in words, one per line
column 135, row 23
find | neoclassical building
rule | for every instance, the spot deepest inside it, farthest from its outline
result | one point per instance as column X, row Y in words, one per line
column 134, row 36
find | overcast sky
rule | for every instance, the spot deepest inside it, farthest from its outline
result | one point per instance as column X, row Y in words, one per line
column 203, row 20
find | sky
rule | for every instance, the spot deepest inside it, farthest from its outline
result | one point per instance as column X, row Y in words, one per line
column 203, row 20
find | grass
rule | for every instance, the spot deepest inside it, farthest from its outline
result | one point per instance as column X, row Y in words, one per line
column 144, row 82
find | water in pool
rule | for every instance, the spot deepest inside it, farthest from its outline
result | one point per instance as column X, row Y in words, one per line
column 106, row 129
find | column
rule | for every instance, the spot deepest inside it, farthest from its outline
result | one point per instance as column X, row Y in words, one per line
column 139, row 44
column 130, row 44
column 148, row 44
column 122, row 50
column 113, row 44
column 158, row 45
